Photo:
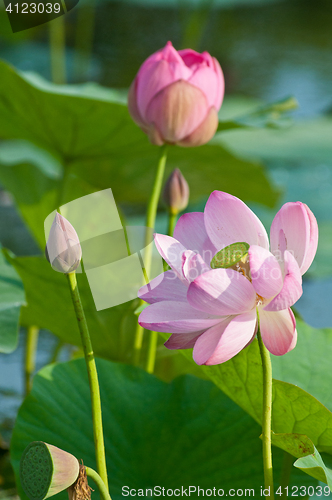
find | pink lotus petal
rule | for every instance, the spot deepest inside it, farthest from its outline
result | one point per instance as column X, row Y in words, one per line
column 171, row 251
column 175, row 317
column 221, row 79
column 154, row 135
column 192, row 58
column 292, row 287
column 132, row 106
column 278, row 330
column 164, row 287
column 206, row 79
column 265, row 272
column 222, row 292
column 177, row 110
column 204, row 132
column 160, row 69
column 193, row 265
column 313, row 241
column 190, row 231
column 298, row 225
column 228, row 220
column 223, row 341
column 183, row 341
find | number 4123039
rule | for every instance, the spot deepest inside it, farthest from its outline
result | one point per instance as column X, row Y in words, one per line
column 34, row 8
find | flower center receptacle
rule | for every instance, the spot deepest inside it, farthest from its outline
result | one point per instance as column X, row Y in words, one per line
column 228, row 257
column 236, row 257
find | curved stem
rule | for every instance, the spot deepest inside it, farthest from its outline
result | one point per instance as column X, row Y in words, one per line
column 99, row 482
column 93, row 378
column 30, row 356
column 267, row 415
column 150, row 222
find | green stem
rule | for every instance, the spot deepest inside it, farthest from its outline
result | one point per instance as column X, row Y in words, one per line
column 93, row 378
column 58, row 49
column 267, row 415
column 195, row 23
column 172, row 219
column 156, row 190
column 150, row 222
column 286, row 470
column 99, row 482
column 152, row 352
column 30, row 356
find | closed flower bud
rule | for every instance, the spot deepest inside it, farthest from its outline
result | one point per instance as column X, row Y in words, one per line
column 63, row 249
column 45, row 470
column 176, row 96
column 176, row 192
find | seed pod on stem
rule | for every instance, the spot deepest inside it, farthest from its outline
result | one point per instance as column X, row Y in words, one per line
column 45, row 470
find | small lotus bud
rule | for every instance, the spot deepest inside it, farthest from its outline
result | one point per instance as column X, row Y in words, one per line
column 63, row 249
column 176, row 192
column 45, row 470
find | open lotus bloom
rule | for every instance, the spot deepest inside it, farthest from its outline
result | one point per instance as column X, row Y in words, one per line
column 217, row 311
column 176, row 96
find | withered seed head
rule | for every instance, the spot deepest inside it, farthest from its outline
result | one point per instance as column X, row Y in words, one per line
column 80, row 490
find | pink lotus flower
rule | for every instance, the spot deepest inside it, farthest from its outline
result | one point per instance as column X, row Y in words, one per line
column 176, row 96
column 216, row 311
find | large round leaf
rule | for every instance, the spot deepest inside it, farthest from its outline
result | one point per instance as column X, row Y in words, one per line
column 89, row 132
column 49, row 306
column 294, row 410
column 156, row 434
column 309, row 363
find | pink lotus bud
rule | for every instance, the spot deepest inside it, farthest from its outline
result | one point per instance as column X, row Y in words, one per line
column 176, row 96
column 176, row 192
column 63, row 249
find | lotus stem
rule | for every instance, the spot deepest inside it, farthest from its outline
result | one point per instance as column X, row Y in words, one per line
column 58, row 49
column 93, row 378
column 267, row 416
column 85, row 25
column 286, row 470
column 150, row 222
column 30, row 356
column 172, row 219
column 99, row 482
